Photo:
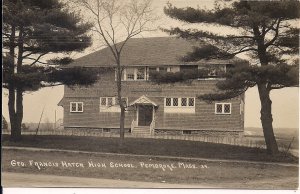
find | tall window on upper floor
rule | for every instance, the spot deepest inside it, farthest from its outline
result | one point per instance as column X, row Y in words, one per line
column 129, row 73
column 140, row 73
column 134, row 73
column 212, row 71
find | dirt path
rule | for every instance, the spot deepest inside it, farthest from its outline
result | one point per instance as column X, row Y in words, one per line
column 33, row 180
column 30, row 168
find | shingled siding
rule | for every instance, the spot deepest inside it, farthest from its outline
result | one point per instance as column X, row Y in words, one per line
column 204, row 117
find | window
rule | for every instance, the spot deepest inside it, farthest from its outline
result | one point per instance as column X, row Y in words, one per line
column 107, row 101
column 223, row 108
column 152, row 69
column 130, row 74
column 163, row 69
column 124, row 100
column 106, row 130
column 76, row 106
column 103, row 102
column 186, row 132
column 180, row 102
column 219, row 108
column 111, row 101
column 175, row 101
column 140, row 73
column 168, row 101
column 183, row 101
column 191, row 101
column 227, row 108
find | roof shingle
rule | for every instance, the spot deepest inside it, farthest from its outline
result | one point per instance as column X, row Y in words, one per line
column 156, row 51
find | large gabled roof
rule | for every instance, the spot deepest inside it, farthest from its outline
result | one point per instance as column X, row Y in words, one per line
column 154, row 51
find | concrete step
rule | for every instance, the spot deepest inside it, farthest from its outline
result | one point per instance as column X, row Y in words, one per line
column 141, row 129
column 141, row 132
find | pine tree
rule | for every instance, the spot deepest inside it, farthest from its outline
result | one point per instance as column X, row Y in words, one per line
column 267, row 35
column 33, row 29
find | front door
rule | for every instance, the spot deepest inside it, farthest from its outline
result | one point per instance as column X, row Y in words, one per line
column 145, row 115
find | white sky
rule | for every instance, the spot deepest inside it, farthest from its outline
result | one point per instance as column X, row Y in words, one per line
column 285, row 101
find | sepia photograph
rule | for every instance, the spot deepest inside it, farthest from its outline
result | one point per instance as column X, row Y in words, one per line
column 150, row 94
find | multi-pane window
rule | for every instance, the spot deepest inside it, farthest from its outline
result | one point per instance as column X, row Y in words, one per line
column 175, row 101
column 191, row 101
column 168, row 101
column 183, row 101
column 140, row 73
column 111, row 101
column 130, row 74
column 76, row 106
column 124, row 100
column 163, row 69
column 152, row 69
column 143, row 73
column 219, row 108
column 180, row 102
column 133, row 73
column 103, row 102
column 227, row 108
column 223, row 108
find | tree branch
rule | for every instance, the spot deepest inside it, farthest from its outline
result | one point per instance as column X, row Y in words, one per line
column 37, row 59
column 275, row 36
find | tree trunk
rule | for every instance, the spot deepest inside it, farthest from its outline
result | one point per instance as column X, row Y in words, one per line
column 122, row 106
column 15, row 102
column 266, row 119
column 122, row 131
column 15, row 116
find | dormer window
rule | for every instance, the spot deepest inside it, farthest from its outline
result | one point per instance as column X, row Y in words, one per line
column 134, row 73
column 140, row 74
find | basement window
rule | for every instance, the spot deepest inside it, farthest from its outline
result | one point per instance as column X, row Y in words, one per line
column 106, row 130
column 187, row 132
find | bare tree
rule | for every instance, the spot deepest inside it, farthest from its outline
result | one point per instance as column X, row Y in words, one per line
column 115, row 22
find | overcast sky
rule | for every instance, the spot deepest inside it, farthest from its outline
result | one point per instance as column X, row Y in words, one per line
column 285, row 101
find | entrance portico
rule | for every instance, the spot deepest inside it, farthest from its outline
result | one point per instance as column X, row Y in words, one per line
column 145, row 115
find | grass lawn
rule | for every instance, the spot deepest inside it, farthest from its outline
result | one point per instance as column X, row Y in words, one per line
column 213, row 173
column 150, row 147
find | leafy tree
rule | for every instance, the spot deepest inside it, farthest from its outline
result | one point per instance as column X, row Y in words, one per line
column 265, row 31
column 115, row 22
column 31, row 30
